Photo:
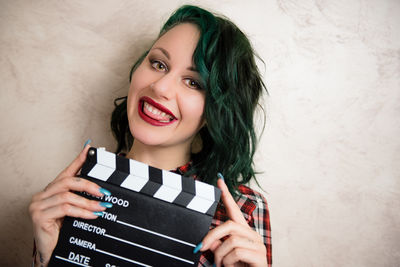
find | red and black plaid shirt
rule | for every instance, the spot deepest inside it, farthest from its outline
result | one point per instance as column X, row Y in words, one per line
column 254, row 208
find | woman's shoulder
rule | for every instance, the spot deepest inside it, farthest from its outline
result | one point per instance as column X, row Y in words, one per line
column 248, row 195
column 250, row 202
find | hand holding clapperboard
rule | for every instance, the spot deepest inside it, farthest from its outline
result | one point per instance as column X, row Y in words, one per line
column 157, row 217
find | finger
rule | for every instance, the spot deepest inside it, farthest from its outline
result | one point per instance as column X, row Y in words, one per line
column 65, row 209
column 215, row 245
column 226, row 229
column 71, row 184
column 251, row 257
column 76, row 164
column 235, row 242
column 231, row 207
column 72, row 199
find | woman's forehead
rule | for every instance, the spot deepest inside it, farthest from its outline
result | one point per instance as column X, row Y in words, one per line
column 178, row 43
column 180, row 35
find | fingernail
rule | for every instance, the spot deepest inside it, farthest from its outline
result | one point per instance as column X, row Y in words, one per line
column 197, row 248
column 220, row 176
column 87, row 142
column 105, row 192
column 106, row 204
column 214, row 265
column 98, row 213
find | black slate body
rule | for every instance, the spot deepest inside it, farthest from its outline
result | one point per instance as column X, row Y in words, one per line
column 140, row 229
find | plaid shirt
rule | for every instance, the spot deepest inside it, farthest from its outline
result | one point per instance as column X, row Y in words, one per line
column 254, row 208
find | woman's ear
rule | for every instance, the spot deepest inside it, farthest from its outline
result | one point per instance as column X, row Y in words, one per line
column 203, row 123
column 197, row 144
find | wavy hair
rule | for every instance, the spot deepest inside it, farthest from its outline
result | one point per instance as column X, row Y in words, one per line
column 225, row 61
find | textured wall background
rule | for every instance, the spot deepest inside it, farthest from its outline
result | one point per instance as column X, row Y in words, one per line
column 330, row 152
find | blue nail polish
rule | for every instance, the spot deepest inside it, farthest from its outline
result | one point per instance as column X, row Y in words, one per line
column 106, row 204
column 220, row 176
column 87, row 142
column 105, row 192
column 214, row 265
column 98, row 213
column 197, row 248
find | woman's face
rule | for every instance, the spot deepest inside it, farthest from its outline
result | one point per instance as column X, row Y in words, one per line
column 165, row 101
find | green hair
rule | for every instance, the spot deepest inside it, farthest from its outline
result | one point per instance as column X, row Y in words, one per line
column 225, row 61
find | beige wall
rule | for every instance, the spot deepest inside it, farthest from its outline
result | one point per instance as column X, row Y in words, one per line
column 330, row 151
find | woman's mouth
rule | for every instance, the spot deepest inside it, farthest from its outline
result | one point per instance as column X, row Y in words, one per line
column 155, row 113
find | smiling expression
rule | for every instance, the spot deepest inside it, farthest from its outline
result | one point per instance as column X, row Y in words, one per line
column 165, row 100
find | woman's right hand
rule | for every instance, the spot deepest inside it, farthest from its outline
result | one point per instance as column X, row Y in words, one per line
column 49, row 207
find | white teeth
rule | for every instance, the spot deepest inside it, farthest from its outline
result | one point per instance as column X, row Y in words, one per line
column 156, row 111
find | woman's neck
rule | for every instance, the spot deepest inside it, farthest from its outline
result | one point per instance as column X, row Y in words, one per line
column 166, row 158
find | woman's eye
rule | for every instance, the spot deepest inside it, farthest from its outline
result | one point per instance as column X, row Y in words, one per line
column 192, row 84
column 158, row 65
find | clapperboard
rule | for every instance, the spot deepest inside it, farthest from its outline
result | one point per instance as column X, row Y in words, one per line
column 157, row 219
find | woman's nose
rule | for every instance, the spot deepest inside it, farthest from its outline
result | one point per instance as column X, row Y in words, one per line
column 165, row 87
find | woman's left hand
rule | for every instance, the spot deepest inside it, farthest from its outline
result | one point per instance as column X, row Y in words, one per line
column 243, row 247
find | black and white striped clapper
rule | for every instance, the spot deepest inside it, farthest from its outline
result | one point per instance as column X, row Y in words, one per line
column 157, row 218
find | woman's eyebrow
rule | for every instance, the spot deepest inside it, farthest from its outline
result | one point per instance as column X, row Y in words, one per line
column 192, row 68
column 165, row 52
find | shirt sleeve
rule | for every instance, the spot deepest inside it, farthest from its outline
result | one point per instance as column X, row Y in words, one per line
column 262, row 224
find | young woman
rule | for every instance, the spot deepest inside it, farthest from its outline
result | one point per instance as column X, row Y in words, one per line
column 189, row 109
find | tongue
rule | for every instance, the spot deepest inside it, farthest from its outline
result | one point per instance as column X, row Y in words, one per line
column 155, row 116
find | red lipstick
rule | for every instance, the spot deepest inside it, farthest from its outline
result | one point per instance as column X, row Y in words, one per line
column 151, row 118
